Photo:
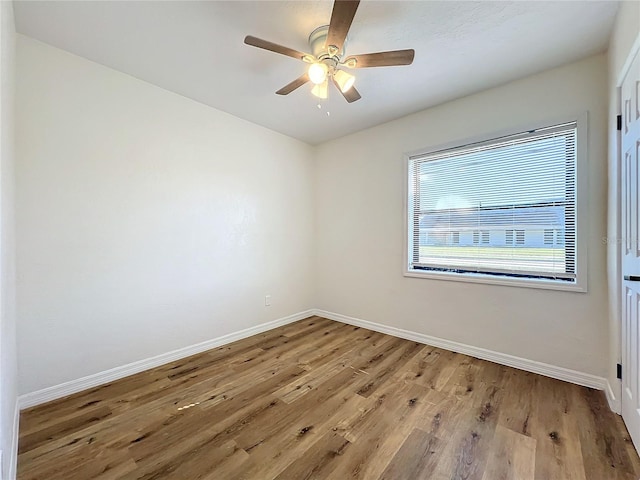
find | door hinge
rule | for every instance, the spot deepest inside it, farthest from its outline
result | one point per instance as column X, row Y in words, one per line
column 619, row 371
column 619, row 123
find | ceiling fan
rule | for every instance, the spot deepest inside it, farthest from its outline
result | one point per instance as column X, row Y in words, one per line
column 327, row 59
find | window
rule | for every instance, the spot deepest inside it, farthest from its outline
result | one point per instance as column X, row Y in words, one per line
column 521, row 188
column 509, row 237
column 548, row 237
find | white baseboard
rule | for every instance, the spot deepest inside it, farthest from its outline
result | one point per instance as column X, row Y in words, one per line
column 614, row 403
column 533, row 366
column 74, row 386
column 91, row 381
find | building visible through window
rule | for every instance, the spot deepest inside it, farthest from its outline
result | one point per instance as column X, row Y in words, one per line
column 548, row 236
column 509, row 237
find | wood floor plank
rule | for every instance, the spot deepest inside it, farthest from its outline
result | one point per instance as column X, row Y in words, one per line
column 419, row 412
column 310, row 415
column 318, row 399
column 65, row 426
column 148, row 435
column 357, row 343
column 320, row 459
column 471, row 435
column 211, row 428
column 603, row 448
column 435, row 368
column 394, row 363
column 415, row 459
column 517, row 406
column 376, row 438
column 555, row 428
column 299, row 420
column 512, row 456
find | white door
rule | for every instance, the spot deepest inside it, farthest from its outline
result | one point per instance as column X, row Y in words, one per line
column 630, row 159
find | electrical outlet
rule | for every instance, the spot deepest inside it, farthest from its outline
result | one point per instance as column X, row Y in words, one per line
column 267, row 300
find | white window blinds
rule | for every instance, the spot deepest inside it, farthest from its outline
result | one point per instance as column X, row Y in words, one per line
column 504, row 207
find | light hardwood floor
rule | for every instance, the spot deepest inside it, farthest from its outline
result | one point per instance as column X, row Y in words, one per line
column 319, row 399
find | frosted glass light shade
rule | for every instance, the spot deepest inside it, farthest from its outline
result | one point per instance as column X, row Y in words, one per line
column 318, row 72
column 344, row 80
column 320, row 90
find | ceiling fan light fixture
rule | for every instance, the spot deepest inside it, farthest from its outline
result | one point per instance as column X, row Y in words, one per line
column 327, row 44
column 320, row 90
column 318, row 73
column 344, row 80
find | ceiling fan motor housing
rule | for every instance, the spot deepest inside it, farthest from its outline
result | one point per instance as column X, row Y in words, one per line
column 317, row 42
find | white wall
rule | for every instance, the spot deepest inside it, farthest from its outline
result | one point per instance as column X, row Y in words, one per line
column 8, row 364
column 625, row 32
column 359, row 202
column 146, row 221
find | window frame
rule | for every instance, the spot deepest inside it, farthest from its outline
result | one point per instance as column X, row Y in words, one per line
column 582, row 208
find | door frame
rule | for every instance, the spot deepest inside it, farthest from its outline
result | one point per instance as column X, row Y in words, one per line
column 614, row 392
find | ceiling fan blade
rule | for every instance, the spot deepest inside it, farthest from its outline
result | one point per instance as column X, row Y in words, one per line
column 350, row 95
column 274, row 47
column 381, row 59
column 341, row 18
column 297, row 83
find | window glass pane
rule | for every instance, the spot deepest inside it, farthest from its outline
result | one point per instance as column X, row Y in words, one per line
column 548, row 237
column 509, row 237
column 503, row 207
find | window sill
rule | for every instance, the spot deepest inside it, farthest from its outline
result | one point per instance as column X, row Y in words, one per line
column 503, row 281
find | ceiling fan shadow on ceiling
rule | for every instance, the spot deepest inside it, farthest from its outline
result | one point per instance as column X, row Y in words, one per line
column 327, row 60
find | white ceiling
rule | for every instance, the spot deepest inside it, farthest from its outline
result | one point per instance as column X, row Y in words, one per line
column 196, row 49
